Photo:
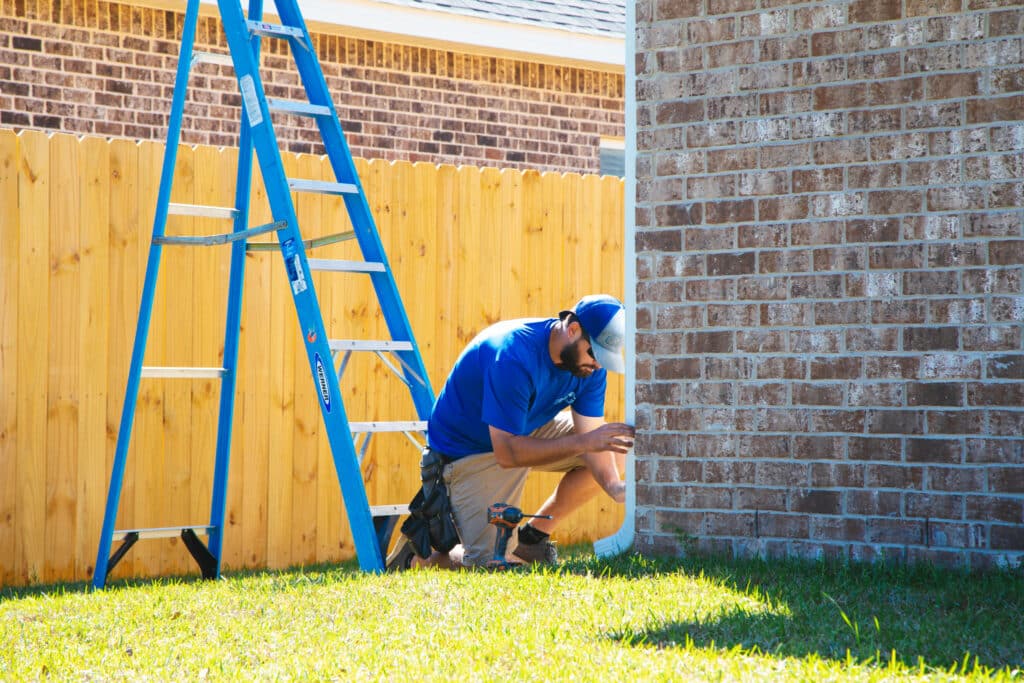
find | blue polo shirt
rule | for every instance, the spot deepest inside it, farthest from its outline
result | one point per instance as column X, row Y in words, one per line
column 506, row 378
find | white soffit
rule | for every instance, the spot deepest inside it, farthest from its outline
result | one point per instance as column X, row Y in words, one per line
column 384, row 21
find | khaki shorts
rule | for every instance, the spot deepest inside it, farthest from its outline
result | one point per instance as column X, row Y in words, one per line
column 477, row 481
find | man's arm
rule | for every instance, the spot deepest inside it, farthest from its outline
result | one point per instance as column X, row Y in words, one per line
column 511, row 450
column 604, row 466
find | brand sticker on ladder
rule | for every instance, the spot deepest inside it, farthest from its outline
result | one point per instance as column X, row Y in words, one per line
column 321, row 382
column 251, row 101
column 293, row 264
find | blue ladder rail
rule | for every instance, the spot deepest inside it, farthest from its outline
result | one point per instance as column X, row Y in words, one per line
column 257, row 135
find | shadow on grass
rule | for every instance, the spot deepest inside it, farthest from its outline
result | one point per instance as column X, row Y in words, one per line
column 841, row 611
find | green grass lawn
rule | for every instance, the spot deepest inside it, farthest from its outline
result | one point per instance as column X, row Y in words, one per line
column 629, row 618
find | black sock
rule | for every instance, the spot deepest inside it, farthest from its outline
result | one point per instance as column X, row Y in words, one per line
column 529, row 534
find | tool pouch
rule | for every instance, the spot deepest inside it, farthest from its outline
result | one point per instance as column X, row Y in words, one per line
column 431, row 523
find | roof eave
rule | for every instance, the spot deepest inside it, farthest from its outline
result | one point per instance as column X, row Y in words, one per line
column 478, row 35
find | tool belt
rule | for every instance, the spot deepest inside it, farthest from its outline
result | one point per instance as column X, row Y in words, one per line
column 430, row 523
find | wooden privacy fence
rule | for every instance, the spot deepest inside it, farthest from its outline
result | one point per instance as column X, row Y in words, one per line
column 469, row 246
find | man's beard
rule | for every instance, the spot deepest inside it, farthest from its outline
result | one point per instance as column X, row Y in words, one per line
column 570, row 360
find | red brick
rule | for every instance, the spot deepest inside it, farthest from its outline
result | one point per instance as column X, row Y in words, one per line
column 839, row 258
column 760, row 341
column 783, row 526
column 967, row 479
column 934, row 506
column 788, row 314
column 895, row 91
column 727, row 315
column 955, row 422
column 823, row 287
column 1006, row 479
column 895, row 202
column 935, row 394
column 762, row 236
column 677, row 9
column 813, row 341
column 840, row 97
column 916, row 8
column 872, row 339
column 895, row 422
column 953, row 86
column 995, row 509
column 817, row 394
column 1006, row 422
column 996, row 394
column 990, row 109
column 868, row 11
column 931, row 338
column 947, row 451
column 837, row 474
column 677, row 368
column 710, row 31
column 683, row 111
column 1006, row 537
column 680, row 317
column 899, row 532
column 886, row 503
column 818, row 502
column 709, row 342
column 837, row 529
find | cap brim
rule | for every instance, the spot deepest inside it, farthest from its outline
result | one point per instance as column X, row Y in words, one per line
column 609, row 360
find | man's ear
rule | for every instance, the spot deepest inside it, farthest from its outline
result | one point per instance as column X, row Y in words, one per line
column 575, row 331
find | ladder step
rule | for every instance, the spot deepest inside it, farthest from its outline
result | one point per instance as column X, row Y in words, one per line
column 212, row 58
column 369, row 345
column 388, row 510
column 211, row 240
column 339, row 266
column 161, row 532
column 298, row 108
column 322, row 186
column 203, row 211
column 366, row 427
column 183, row 373
column 274, row 30
column 310, row 244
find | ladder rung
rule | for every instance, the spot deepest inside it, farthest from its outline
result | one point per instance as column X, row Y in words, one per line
column 310, row 244
column 211, row 240
column 369, row 345
column 274, row 30
column 388, row 510
column 365, row 427
column 203, row 211
column 183, row 373
column 339, row 266
column 298, row 108
column 161, row 532
column 212, row 58
column 322, row 186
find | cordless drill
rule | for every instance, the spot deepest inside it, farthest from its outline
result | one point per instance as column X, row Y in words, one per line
column 506, row 518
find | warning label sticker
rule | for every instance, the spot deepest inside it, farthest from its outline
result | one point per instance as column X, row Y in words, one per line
column 252, row 103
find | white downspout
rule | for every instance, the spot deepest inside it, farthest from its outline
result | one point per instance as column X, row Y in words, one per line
column 622, row 539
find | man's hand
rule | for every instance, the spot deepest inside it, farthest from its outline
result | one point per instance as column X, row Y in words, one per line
column 615, row 437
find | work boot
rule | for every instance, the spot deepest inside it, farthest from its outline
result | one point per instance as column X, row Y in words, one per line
column 542, row 552
column 400, row 558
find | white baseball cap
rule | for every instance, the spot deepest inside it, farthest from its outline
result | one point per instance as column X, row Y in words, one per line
column 603, row 318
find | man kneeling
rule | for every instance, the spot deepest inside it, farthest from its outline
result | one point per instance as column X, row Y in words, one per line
column 500, row 414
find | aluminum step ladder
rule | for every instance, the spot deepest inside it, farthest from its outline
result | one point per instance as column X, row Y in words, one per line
column 372, row 527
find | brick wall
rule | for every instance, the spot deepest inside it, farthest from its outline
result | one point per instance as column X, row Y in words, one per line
column 97, row 67
column 829, row 261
